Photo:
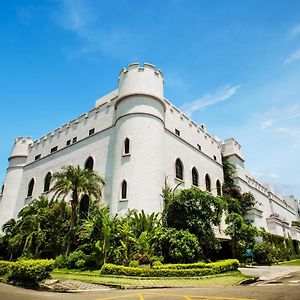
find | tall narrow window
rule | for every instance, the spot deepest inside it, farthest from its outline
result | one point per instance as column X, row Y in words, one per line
column 89, row 163
column 218, row 185
column 2, row 189
column 47, row 182
column 84, row 207
column 124, row 190
column 195, row 177
column 126, row 146
column 30, row 188
column 207, row 183
column 179, row 169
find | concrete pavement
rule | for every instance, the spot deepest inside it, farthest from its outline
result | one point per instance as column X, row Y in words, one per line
column 269, row 272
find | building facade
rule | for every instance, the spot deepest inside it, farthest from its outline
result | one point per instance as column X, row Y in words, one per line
column 135, row 138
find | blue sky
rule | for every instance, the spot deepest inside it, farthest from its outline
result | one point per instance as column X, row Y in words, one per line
column 232, row 65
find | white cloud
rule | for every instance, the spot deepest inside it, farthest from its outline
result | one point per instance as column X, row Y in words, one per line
column 80, row 18
column 294, row 31
column 292, row 132
column 279, row 114
column 221, row 94
column 292, row 57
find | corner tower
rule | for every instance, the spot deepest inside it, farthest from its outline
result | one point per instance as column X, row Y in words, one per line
column 12, row 181
column 138, row 173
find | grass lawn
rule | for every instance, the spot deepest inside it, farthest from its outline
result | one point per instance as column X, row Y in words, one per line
column 226, row 279
column 295, row 262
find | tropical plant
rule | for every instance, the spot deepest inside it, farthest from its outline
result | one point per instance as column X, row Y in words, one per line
column 197, row 212
column 79, row 182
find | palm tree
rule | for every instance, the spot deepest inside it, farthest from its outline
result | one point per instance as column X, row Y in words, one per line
column 79, row 182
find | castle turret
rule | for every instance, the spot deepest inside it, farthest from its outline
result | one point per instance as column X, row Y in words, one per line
column 139, row 142
column 13, row 178
column 231, row 149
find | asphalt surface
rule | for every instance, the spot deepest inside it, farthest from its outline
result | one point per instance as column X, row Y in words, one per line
column 287, row 287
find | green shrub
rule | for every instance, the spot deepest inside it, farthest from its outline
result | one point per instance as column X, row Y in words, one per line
column 30, row 272
column 76, row 260
column 134, row 263
column 110, row 269
column 157, row 263
column 180, row 246
column 175, row 270
column 61, row 261
column 262, row 254
column 4, row 267
column 224, row 265
column 198, row 265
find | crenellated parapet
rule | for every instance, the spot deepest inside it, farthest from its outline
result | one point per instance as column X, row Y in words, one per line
column 20, row 147
column 139, row 79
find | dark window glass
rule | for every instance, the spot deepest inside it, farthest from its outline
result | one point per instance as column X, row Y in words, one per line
column 37, row 157
column 92, row 131
column 54, row 149
column 124, row 190
column 207, row 183
column 84, row 207
column 68, row 142
column 47, row 182
column 218, row 184
column 30, row 188
column 126, row 146
column 215, row 158
column 195, row 177
column 199, row 147
column 89, row 163
column 179, row 169
column 2, row 189
column 75, row 139
column 177, row 132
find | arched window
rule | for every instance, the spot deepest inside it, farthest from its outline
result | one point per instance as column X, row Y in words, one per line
column 207, row 183
column 218, row 185
column 30, row 188
column 124, row 190
column 84, row 206
column 179, row 169
column 89, row 163
column 126, row 146
column 195, row 177
column 47, row 182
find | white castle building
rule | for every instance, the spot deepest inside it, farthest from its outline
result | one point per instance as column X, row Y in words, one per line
column 135, row 138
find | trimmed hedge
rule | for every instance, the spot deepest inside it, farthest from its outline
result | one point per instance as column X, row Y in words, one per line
column 30, row 272
column 111, row 269
column 4, row 267
column 198, row 265
column 176, row 270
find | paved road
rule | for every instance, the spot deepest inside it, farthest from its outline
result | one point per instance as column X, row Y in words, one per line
column 287, row 288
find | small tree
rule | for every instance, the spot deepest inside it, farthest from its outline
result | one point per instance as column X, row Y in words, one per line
column 197, row 212
column 79, row 182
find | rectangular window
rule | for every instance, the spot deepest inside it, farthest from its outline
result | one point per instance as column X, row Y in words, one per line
column 92, row 131
column 68, row 142
column 74, row 139
column 54, row 149
column 37, row 157
column 199, row 147
column 177, row 132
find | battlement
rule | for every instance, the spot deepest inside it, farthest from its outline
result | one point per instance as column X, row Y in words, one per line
column 232, row 147
column 22, row 139
column 140, row 68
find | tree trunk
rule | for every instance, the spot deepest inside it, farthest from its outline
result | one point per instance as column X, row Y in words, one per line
column 74, row 204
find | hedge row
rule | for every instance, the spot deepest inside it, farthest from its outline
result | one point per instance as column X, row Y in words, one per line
column 187, row 270
column 4, row 267
column 27, row 272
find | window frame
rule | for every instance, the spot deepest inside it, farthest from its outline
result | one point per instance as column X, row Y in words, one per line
column 179, row 161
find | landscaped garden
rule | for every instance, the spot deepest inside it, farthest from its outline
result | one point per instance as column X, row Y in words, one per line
column 68, row 240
